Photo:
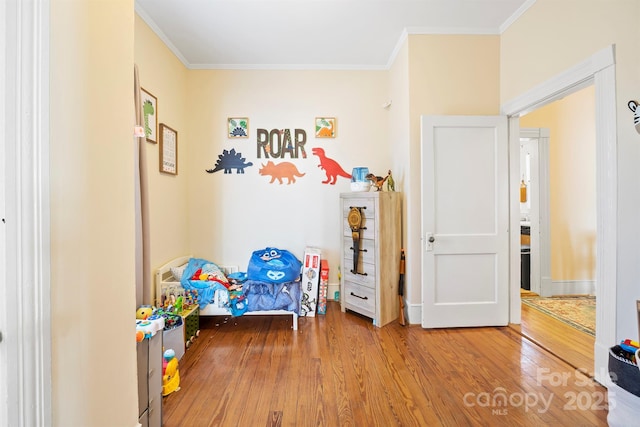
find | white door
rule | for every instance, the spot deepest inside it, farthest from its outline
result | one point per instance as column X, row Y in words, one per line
column 465, row 221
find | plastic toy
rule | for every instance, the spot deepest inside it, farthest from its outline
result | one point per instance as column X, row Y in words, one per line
column 170, row 373
column 144, row 311
column 391, row 184
column 377, row 181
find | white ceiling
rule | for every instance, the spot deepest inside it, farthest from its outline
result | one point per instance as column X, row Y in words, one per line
column 312, row 34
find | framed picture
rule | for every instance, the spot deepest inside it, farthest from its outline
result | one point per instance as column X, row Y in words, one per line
column 150, row 115
column 238, row 127
column 168, row 150
column 325, row 127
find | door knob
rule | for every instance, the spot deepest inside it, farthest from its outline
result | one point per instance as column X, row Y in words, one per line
column 432, row 239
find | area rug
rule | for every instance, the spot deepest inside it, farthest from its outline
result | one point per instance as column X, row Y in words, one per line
column 578, row 312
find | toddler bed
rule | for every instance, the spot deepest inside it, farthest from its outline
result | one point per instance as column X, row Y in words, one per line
column 213, row 298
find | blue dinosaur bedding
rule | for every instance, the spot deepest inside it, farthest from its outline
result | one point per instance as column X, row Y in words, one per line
column 206, row 278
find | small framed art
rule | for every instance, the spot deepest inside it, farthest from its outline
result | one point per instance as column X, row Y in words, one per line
column 150, row 115
column 325, row 127
column 238, row 127
column 168, row 150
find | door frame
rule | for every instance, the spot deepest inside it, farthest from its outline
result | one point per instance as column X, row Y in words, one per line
column 25, row 366
column 540, row 213
column 598, row 70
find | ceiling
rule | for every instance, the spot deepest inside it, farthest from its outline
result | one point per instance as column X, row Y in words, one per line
column 312, row 34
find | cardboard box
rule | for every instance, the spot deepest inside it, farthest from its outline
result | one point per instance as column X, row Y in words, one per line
column 324, row 286
column 310, row 281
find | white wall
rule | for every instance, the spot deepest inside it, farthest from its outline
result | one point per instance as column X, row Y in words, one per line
column 231, row 215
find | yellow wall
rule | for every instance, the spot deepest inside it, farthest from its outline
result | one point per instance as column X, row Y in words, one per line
column 93, row 364
column 448, row 74
column 399, row 138
column 554, row 35
column 92, row 225
column 164, row 76
column 571, row 122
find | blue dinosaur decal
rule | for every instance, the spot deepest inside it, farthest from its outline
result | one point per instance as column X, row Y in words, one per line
column 229, row 160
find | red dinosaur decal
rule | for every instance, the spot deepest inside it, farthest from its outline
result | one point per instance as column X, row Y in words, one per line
column 330, row 166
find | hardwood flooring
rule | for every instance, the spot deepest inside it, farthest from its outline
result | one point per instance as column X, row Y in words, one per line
column 569, row 344
column 339, row 370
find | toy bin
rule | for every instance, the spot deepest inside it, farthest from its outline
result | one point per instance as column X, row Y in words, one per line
column 191, row 321
column 173, row 337
column 624, row 391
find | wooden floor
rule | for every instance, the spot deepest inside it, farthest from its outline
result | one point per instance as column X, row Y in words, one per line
column 339, row 370
column 569, row 344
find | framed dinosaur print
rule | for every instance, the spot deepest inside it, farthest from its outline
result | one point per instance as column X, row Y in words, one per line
column 168, row 150
column 325, row 127
column 150, row 115
column 238, row 127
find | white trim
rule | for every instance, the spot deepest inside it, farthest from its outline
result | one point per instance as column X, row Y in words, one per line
column 397, row 48
column 598, row 70
column 607, row 217
column 571, row 287
column 161, row 35
column 540, row 213
column 515, row 312
column 571, row 80
column 4, row 319
column 517, row 14
column 28, row 337
column 287, row 67
column 479, row 31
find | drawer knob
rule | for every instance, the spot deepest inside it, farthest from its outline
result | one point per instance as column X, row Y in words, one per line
column 358, row 296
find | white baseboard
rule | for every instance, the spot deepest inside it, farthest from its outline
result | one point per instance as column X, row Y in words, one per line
column 569, row 287
column 413, row 313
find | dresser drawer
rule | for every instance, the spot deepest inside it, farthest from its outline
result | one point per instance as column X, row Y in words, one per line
column 368, row 207
column 367, row 229
column 367, row 250
column 360, row 298
column 366, row 273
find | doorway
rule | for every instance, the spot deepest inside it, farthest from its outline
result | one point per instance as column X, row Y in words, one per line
column 534, row 210
column 598, row 70
column 559, row 209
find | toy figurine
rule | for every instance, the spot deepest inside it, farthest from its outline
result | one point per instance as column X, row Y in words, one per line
column 391, row 184
column 376, row 181
column 170, row 373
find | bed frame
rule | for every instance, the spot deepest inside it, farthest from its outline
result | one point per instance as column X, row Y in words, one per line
column 165, row 279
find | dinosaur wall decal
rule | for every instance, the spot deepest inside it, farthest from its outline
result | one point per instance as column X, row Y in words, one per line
column 330, row 166
column 279, row 171
column 229, row 160
column 147, row 110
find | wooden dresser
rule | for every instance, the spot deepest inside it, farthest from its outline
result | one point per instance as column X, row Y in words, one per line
column 372, row 288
